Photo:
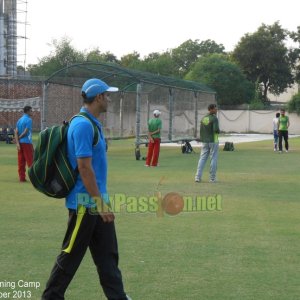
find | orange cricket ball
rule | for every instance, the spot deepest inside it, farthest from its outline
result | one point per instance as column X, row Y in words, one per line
column 172, row 203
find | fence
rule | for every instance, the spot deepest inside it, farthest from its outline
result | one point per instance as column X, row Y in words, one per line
column 140, row 92
column 129, row 111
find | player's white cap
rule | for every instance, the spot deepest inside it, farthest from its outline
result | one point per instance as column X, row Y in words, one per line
column 156, row 112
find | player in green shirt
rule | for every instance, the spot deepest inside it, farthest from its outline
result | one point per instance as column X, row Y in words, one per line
column 209, row 131
column 154, row 127
column 283, row 125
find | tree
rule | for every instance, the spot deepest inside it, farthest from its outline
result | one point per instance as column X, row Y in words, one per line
column 295, row 53
column 130, row 60
column 155, row 63
column 161, row 64
column 210, row 47
column 265, row 59
column 294, row 104
column 96, row 56
column 188, row 52
column 64, row 55
column 225, row 77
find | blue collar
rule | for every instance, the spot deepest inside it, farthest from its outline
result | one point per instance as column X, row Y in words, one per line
column 83, row 109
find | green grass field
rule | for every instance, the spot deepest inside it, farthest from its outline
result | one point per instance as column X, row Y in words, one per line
column 247, row 250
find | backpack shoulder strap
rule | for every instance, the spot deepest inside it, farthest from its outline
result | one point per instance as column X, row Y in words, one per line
column 95, row 128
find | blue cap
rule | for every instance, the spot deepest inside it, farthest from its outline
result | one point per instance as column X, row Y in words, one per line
column 94, row 87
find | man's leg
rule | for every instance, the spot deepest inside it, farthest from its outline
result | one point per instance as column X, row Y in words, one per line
column 275, row 140
column 104, row 250
column 156, row 152
column 286, row 140
column 21, row 164
column 57, row 284
column 80, row 229
column 214, row 150
column 28, row 154
column 280, row 140
column 202, row 161
column 150, row 153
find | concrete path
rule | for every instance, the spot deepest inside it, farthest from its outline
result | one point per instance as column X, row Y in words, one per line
column 235, row 138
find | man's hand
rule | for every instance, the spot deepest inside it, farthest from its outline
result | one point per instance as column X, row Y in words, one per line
column 104, row 210
column 107, row 217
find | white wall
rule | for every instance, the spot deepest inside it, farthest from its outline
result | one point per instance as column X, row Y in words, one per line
column 253, row 121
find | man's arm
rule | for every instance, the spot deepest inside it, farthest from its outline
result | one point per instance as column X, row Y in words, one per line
column 17, row 139
column 89, row 180
column 150, row 133
column 153, row 132
column 24, row 133
column 216, row 125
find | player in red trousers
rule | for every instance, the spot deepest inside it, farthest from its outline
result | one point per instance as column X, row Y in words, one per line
column 154, row 128
column 23, row 136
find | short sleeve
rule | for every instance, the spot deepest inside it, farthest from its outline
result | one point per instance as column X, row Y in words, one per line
column 83, row 135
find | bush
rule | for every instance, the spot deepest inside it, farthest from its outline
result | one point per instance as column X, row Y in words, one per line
column 256, row 104
column 294, row 104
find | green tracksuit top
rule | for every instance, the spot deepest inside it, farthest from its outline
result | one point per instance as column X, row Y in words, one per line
column 209, row 129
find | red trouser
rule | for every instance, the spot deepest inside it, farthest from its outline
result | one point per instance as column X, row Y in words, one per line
column 153, row 152
column 25, row 156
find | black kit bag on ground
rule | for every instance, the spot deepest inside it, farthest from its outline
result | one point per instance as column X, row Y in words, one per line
column 187, row 148
column 51, row 172
column 228, row 146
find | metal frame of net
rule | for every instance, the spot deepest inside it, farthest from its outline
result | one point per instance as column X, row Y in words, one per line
column 181, row 102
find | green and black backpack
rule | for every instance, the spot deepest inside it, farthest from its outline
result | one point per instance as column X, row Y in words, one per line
column 51, row 172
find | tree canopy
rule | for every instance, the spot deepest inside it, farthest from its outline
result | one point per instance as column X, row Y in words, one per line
column 64, row 55
column 225, row 77
column 187, row 53
column 265, row 59
column 295, row 53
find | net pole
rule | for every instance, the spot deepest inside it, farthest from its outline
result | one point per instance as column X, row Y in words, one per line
column 196, row 114
column 43, row 111
column 171, row 102
column 121, row 114
column 139, row 88
column 148, row 108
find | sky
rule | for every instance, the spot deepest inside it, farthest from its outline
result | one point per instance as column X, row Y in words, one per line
column 144, row 26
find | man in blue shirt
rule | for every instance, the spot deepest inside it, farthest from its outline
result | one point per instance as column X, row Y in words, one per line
column 24, row 142
column 91, row 224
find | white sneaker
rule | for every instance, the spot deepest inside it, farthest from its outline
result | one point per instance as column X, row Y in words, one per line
column 287, row 151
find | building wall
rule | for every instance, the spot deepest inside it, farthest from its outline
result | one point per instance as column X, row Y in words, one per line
column 12, row 90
